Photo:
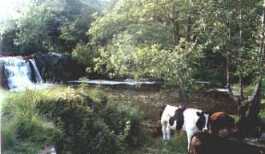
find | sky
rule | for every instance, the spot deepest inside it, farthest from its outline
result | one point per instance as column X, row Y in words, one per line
column 10, row 8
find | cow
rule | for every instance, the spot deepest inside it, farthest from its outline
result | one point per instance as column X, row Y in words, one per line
column 190, row 120
column 206, row 143
column 222, row 138
column 221, row 124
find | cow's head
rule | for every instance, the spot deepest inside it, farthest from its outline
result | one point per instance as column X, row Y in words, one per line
column 202, row 122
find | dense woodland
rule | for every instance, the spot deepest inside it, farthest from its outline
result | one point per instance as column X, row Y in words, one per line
column 177, row 41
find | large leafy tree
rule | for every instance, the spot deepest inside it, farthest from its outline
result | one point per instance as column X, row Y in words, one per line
column 225, row 32
column 58, row 26
column 231, row 32
column 154, row 38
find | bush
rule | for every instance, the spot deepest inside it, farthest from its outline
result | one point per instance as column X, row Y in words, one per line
column 125, row 121
column 92, row 125
column 24, row 130
column 84, row 54
column 74, row 120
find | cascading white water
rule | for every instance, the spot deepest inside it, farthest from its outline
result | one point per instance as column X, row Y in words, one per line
column 18, row 73
column 36, row 70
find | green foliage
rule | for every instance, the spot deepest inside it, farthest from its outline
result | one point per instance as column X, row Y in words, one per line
column 79, row 16
column 125, row 121
column 75, row 120
column 109, row 127
column 170, row 147
column 222, row 33
column 148, row 39
column 176, row 145
column 174, row 66
column 85, row 55
column 7, row 38
column 116, row 59
column 51, row 26
column 24, row 130
column 230, row 33
column 39, row 28
column 157, row 18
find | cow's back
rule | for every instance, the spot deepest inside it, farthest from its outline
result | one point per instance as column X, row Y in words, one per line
column 168, row 112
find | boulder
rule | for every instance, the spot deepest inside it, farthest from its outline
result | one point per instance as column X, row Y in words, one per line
column 57, row 67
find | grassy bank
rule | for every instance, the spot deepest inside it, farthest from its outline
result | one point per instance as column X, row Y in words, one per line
column 177, row 145
column 74, row 120
column 24, row 130
column 84, row 119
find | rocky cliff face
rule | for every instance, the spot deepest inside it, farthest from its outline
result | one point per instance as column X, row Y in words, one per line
column 3, row 83
column 55, row 67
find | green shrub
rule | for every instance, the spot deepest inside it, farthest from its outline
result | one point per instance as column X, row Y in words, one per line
column 92, row 125
column 82, row 130
column 75, row 120
column 125, row 121
column 23, row 129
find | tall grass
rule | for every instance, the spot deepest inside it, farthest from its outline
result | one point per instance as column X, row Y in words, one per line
column 75, row 120
column 80, row 120
column 23, row 129
column 176, row 145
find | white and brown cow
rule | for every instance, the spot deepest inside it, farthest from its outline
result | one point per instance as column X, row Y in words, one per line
column 190, row 120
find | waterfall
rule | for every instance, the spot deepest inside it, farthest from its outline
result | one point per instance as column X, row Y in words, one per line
column 19, row 74
column 36, row 71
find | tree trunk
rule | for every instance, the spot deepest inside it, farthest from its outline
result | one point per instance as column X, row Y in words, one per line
column 189, row 21
column 240, row 54
column 262, row 51
column 249, row 123
column 241, row 83
column 183, row 97
column 189, row 24
column 176, row 33
column 228, row 86
column 175, row 24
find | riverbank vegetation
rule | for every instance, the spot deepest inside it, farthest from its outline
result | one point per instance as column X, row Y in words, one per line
column 74, row 120
column 66, row 117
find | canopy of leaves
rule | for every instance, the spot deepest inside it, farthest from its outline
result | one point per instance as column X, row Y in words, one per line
column 52, row 26
column 172, row 40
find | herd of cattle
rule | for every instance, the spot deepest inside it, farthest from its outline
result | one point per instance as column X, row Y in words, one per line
column 214, row 133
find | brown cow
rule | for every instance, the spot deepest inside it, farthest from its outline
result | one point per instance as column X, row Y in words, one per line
column 205, row 143
column 221, row 124
column 220, row 139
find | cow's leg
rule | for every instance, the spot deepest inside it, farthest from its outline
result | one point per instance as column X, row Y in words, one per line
column 189, row 136
column 168, row 132
column 164, row 131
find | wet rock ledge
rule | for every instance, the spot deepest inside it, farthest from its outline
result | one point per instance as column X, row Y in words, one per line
column 57, row 67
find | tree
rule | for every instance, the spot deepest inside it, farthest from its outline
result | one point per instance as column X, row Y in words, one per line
column 149, row 39
column 53, row 26
column 7, row 41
